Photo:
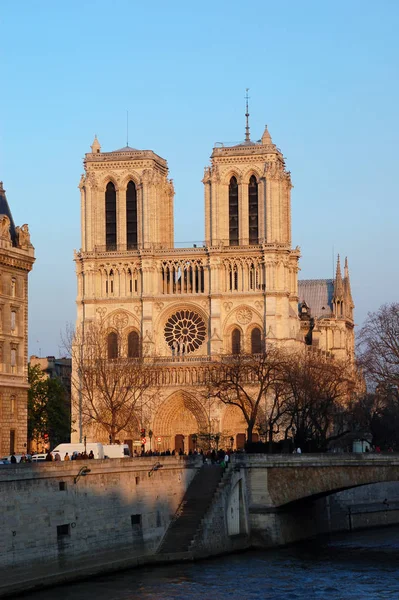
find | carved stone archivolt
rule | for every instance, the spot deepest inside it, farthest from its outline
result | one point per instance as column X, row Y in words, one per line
column 244, row 315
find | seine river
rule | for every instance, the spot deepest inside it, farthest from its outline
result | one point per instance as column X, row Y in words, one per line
column 358, row 566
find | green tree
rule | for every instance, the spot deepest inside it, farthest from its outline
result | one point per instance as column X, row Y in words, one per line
column 48, row 408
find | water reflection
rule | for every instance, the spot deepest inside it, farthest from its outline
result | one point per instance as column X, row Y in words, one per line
column 357, row 566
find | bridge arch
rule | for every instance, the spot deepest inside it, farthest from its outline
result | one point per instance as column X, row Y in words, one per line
column 299, row 480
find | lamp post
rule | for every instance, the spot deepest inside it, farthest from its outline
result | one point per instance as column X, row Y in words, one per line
column 194, row 438
column 150, row 434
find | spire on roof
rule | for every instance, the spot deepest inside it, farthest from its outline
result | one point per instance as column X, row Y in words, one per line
column 95, row 147
column 247, row 136
column 266, row 137
column 338, row 283
column 347, row 290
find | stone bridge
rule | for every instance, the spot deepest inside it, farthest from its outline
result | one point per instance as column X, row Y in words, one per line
column 269, row 500
column 277, row 480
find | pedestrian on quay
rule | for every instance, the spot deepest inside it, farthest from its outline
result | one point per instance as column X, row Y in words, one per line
column 66, row 457
column 49, row 456
column 13, row 459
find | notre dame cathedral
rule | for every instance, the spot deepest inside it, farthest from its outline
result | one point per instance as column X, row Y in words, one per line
column 185, row 307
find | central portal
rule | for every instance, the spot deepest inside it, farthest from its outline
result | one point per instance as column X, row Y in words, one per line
column 179, row 422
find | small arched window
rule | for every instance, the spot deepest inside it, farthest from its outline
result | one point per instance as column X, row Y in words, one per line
column 253, row 210
column 110, row 217
column 112, row 345
column 133, row 345
column 233, row 212
column 131, row 216
column 236, row 341
column 256, row 341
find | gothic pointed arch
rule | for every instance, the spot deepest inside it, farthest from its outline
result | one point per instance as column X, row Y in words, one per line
column 236, row 341
column 133, row 345
column 112, row 345
column 256, row 341
column 253, row 211
column 131, row 215
column 180, row 415
column 233, row 212
column 110, row 216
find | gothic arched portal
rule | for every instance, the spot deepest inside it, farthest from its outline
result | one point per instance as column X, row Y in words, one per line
column 180, row 415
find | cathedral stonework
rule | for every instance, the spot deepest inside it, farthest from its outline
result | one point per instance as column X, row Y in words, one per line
column 16, row 261
column 184, row 308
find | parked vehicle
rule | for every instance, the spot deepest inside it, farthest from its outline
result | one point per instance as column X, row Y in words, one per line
column 38, row 457
column 62, row 449
column 116, row 451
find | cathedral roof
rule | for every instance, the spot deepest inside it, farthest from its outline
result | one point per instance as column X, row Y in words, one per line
column 5, row 210
column 318, row 295
column 126, row 149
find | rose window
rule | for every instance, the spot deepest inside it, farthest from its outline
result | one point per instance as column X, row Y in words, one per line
column 185, row 331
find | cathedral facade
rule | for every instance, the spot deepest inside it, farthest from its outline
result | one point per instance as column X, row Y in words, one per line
column 183, row 308
column 16, row 261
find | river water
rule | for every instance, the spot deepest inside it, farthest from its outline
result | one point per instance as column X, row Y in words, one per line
column 352, row 566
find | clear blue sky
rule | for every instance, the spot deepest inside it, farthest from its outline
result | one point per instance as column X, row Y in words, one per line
column 322, row 75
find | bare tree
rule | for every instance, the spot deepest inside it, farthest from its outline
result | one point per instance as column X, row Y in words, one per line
column 111, row 391
column 378, row 347
column 245, row 380
column 317, row 391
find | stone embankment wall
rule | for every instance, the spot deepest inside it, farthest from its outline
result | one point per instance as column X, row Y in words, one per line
column 58, row 524
column 49, row 512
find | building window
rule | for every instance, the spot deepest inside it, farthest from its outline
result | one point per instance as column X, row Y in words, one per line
column 256, row 341
column 13, row 360
column 63, row 530
column 12, row 405
column 13, row 320
column 110, row 217
column 112, row 345
column 233, row 212
column 253, row 210
column 236, row 341
column 131, row 216
column 13, row 287
column 185, row 332
column 12, row 441
column 133, row 345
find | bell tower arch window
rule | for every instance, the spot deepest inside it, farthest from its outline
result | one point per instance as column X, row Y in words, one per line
column 253, row 211
column 110, row 217
column 233, row 212
column 236, row 341
column 131, row 216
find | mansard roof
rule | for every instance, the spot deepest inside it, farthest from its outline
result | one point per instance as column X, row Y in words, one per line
column 318, row 295
column 5, row 210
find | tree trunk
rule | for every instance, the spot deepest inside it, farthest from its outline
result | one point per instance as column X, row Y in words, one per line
column 250, row 431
